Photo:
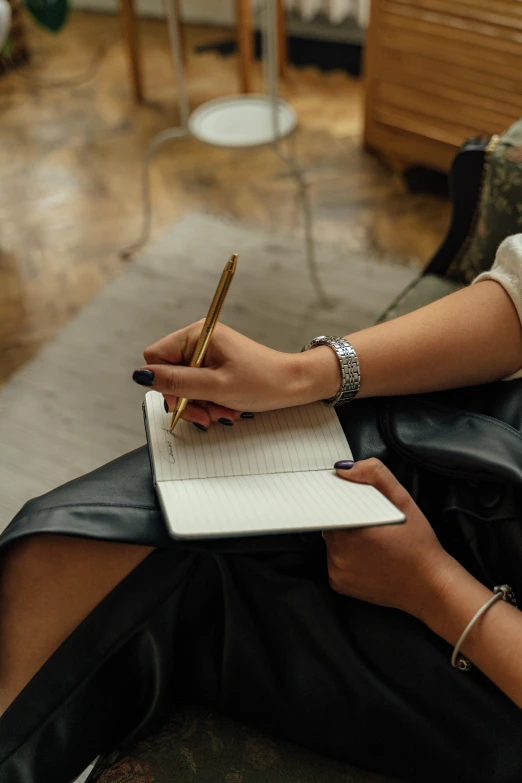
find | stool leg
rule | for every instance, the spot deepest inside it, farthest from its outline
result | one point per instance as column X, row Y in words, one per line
column 130, row 35
column 282, row 42
column 245, row 48
column 181, row 33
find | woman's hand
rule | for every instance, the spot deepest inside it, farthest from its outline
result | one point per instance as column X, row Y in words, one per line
column 237, row 375
column 405, row 567
column 402, row 566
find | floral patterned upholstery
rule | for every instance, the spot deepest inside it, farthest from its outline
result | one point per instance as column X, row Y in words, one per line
column 196, row 746
column 500, row 209
column 499, row 215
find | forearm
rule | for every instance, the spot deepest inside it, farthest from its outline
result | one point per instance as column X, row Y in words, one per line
column 494, row 644
column 470, row 337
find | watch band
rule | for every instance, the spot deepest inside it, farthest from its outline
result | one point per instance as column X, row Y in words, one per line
column 350, row 371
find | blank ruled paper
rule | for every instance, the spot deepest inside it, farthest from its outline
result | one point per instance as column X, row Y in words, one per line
column 282, row 503
column 270, row 474
column 308, row 437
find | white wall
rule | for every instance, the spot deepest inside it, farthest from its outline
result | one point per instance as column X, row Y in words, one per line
column 205, row 11
column 222, row 12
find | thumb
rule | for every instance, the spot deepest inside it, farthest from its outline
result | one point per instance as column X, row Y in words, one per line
column 374, row 472
column 194, row 383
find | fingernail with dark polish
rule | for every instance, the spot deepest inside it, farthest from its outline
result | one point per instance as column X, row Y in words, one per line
column 143, row 377
column 166, row 406
column 227, row 422
column 199, row 426
column 247, row 415
column 344, row 464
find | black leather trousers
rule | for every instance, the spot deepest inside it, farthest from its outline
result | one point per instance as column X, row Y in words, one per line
column 251, row 628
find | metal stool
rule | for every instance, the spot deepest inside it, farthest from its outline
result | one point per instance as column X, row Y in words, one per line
column 236, row 121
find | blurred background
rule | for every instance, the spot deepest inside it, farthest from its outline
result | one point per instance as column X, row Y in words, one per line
column 84, row 84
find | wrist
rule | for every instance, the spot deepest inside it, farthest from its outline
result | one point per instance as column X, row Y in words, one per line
column 433, row 585
column 451, row 599
column 317, row 375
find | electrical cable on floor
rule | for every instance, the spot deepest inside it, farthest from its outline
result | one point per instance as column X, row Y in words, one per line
column 39, row 85
column 89, row 73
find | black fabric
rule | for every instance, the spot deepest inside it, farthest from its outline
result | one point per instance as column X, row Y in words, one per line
column 250, row 626
column 327, row 55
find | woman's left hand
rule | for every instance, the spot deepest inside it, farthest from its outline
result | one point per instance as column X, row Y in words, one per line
column 403, row 566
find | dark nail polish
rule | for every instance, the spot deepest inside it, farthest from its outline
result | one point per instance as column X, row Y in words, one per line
column 227, row 422
column 143, row 377
column 166, row 406
column 247, row 415
column 344, row 464
column 199, row 426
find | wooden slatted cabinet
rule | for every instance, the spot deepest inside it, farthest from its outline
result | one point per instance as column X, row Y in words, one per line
column 438, row 72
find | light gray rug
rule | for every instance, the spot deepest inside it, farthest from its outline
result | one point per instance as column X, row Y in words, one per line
column 74, row 406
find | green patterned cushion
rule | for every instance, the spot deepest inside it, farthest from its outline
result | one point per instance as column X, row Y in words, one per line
column 195, row 746
column 500, row 211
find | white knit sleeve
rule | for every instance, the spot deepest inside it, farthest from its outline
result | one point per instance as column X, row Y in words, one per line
column 507, row 270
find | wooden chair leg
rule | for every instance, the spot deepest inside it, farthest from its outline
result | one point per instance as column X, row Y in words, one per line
column 245, row 47
column 282, row 41
column 131, row 38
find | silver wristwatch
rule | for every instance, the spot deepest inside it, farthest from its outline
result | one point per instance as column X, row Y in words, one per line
column 350, row 372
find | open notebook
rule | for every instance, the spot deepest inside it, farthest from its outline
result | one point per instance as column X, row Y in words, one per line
column 270, row 474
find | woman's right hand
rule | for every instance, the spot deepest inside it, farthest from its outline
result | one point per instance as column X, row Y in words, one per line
column 237, row 374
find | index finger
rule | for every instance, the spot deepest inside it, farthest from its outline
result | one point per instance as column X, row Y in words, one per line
column 175, row 348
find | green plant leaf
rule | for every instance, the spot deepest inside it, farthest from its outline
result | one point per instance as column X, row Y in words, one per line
column 51, row 14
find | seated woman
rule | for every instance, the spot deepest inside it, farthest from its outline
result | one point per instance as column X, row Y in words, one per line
column 341, row 645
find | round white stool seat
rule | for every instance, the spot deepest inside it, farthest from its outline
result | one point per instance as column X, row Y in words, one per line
column 241, row 121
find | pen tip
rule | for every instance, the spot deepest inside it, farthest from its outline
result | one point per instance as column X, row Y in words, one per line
column 233, row 262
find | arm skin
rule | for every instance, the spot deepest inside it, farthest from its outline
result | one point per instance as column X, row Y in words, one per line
column 494, row 644
column 470, row 337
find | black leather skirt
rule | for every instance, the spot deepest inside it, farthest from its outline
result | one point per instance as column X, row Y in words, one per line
column 251, row 628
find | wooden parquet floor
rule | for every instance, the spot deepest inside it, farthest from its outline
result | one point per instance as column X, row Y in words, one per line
column 71, row 143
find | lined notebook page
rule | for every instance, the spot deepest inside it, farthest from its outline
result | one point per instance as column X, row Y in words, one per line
column 304, row 438
column 249, row 505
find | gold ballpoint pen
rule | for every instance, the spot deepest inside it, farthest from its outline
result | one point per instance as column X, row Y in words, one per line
column 208, row 327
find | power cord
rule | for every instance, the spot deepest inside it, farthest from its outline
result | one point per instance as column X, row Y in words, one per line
column 39, row 58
